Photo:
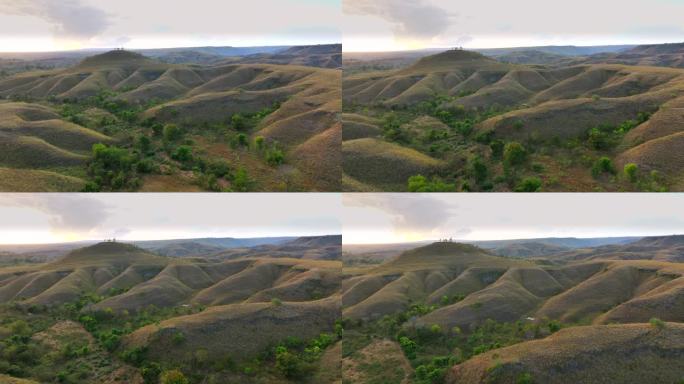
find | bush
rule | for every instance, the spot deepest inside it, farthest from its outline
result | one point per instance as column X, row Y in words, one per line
column 497, row 147
column 514, row 153
column 598, row 139
column 602, row 165
column 150, row 373
column 238, row 122
column 524, row 378
column 288, row 363
column 275, row 157
column 259, row 142
column 478, row 169
column 173, row 376
column 241, row 182
column 529, row 184
column 276, row 301
column 408, row 346
column 656, row 322
column 420, row 183
column 239, row 140
column 183, row 154
column 172, row 132
column 178, row 338
column 631, row 171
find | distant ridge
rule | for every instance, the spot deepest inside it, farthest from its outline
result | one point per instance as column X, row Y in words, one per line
column 114, row 57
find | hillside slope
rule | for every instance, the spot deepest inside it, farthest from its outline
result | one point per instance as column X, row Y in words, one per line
column 290, row 109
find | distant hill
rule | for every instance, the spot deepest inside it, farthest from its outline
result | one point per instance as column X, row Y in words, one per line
column 583, row 355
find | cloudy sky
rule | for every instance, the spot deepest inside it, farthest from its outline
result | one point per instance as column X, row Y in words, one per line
column 48, row 25
column 50, row 218
column 386, row 25
column 394, row 218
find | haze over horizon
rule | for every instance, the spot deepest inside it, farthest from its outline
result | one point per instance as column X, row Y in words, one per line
column 46, row 26
column 60, row 218
column 398, row 218
column 397, row 25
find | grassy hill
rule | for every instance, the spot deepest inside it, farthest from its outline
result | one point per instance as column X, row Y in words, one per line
column 634, row 353
column 461, row 314
column 578, row 123
column 116, row 313
column 238, row 126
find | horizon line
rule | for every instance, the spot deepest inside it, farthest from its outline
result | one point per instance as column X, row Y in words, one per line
column 464, row 241
column 174, row 47
column 514, row 47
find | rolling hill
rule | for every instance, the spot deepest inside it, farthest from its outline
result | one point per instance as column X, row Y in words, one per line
column 145, row 301
column 465, row 315
column 568, row 117
column 237, row 126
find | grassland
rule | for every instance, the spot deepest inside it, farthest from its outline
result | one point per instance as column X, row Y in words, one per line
column 120, row 121
column 115, row 313
column 490, row 125
column 455, row 313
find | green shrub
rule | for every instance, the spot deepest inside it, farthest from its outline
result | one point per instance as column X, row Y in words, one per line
column 276, row 301
column 524, row 378
column 150, row 372
column 497, row 147
column 172, row 132
column 514, row 153
column 173, row 376
column 241, row 181
column 420, row 183
column 238, row 122
column 656, row 322
column 259, row 142
column 529, row 184
column 631, row 171
column 288, row 363
column 478, row 169
column 183, row 154
column 408, row 346
column 178, row 338
column 602, row 165
column 275, row 156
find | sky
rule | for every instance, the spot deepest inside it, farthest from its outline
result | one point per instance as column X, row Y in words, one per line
column 53, row 25
column 395, row 218
column 65, row 217
column 392, row 25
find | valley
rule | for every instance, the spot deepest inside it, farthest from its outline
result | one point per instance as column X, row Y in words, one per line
column 122, row 121
column 525, row 120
